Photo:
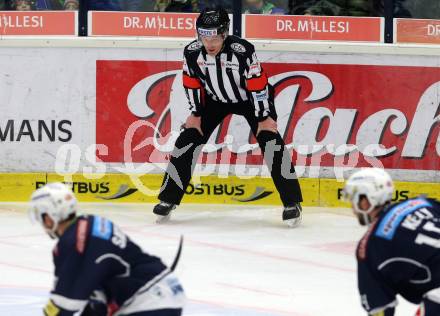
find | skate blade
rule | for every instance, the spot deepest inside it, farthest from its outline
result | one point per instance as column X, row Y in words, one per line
column 162, row 219
column 293, row 223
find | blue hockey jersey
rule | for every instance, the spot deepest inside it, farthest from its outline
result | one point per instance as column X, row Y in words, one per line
column 93, row 254
column 400, row 254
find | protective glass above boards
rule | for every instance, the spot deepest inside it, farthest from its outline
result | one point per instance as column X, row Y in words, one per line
column 364, row 8
column 39, row 5
column 186, row 6
column 417, row 9
column 317, row 20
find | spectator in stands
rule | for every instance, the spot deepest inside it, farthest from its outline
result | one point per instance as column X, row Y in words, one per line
column 2, row 5
column 23, row 5
column 420, row 9
column 298, row 7
column 226, row 4
column 48, row 5
column 178, row 6
column 134, row 5
column 71, row 5
column 261, row 7
column 30, row 5
column 104, row 5
column 161, row 5
column 342, row 8
column 400, row 10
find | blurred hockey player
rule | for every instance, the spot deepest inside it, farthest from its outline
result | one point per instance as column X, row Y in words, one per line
column 99, row 271
column 400, row 252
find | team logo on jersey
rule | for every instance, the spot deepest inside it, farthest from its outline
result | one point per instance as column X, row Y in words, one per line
column 205, row 63
column 195, row 46
column 238, row 48
column 230, row 64
column 102, row 228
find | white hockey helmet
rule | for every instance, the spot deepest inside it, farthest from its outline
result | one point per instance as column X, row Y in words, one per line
column 374, row 184
column 55, row 200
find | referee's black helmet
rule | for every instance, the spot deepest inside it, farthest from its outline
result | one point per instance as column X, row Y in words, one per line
column 213, row 22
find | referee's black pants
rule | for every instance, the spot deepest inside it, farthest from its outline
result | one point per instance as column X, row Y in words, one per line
column 189, row 144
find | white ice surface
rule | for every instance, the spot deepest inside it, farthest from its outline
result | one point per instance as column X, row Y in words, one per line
column 236, row 260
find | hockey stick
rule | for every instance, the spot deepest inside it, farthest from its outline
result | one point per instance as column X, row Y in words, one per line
column 177, row 257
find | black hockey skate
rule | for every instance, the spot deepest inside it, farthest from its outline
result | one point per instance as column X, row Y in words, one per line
column 292, row 215
column 163, row 211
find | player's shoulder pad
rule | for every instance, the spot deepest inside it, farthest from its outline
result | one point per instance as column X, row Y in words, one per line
column 240, row 45
column 390, row 222
column 194, row 46
column 102, row 228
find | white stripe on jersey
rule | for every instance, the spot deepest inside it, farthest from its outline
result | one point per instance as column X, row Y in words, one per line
column 124, row 263
column 261, row 105
column 161, row 296
column 200, row 62
column 232, row 85
column 236, row 74
column 68, row 303
column 226, row 81
column 257, row 104
column 434, row 295
column 211, row 71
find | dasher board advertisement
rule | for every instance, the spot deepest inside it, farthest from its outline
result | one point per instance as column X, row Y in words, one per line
column 329, row 115
column 39, row 23
column 73, row 108
column 153, row 24
column 417, row 31
column 320, row 28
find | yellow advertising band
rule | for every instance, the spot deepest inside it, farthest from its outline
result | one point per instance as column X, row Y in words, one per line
column 121, row 188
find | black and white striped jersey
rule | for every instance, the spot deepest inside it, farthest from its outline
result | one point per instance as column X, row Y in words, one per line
column 233, row 76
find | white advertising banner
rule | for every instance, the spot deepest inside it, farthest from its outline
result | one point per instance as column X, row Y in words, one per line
column 342, row 110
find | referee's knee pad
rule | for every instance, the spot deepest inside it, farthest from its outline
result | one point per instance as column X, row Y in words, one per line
column 189, row 136
column 268, row 136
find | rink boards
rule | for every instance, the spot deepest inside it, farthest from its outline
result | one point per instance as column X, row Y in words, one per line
column 112, row 105
column 121, row 188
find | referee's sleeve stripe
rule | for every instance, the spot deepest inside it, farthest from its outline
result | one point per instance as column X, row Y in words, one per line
column 257, row 84
column 191, row 83
column 265, row 107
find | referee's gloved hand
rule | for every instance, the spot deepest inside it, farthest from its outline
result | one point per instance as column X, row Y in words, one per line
column 267, row 125
column 194, row 122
